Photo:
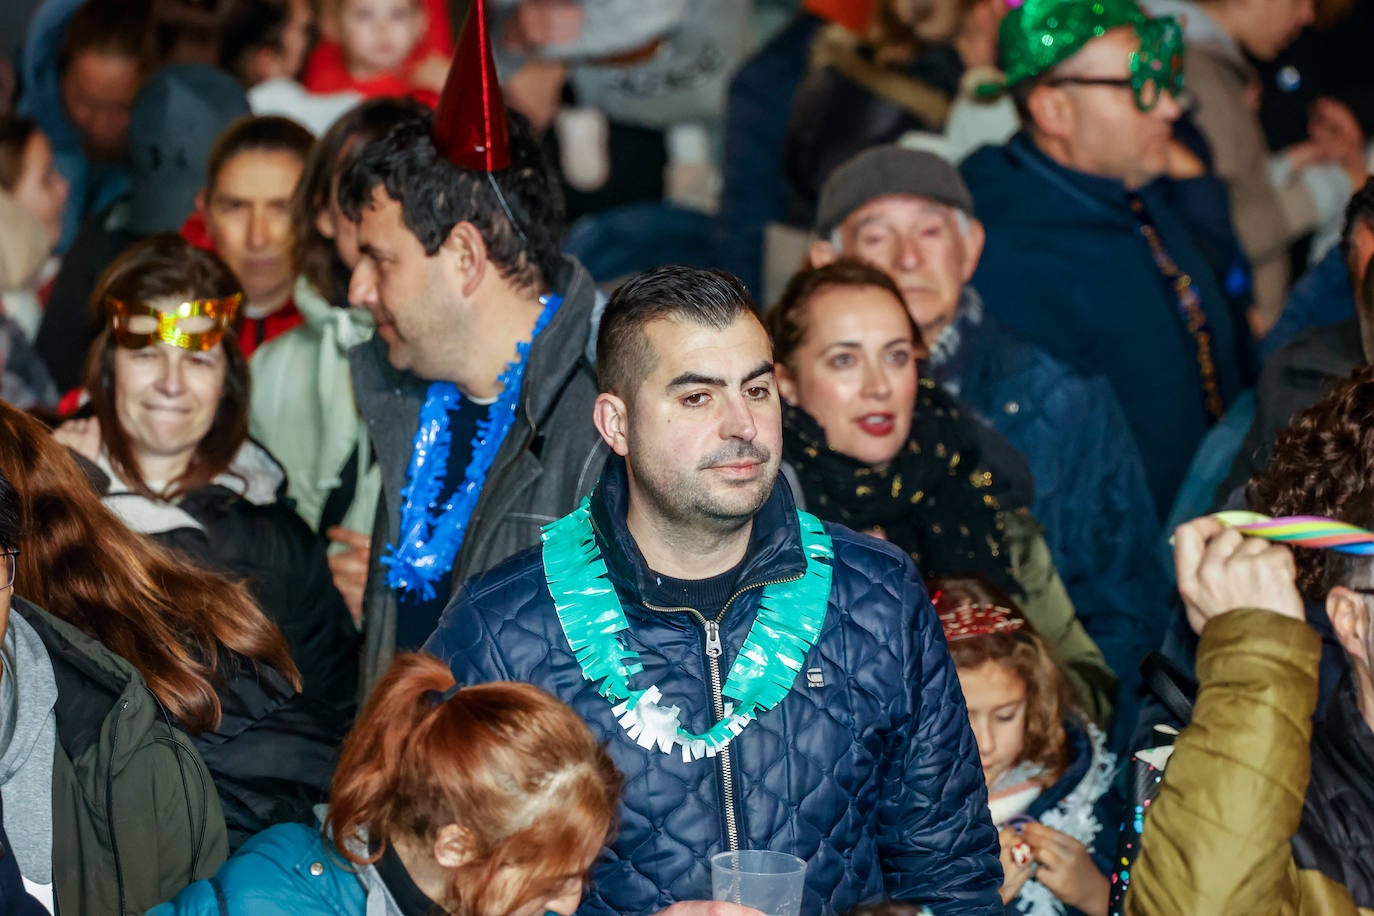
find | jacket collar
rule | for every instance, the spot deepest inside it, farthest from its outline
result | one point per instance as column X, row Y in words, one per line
column 774, row 552
column 1092, row 191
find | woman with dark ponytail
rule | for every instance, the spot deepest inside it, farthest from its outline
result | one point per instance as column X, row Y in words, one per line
column 491, row 800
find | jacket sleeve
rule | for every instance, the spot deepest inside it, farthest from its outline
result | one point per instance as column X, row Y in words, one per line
column 1107, row 546
column 1208, row 847
column 166, row 789
column 469, row 640
column 1051, row 612
column 935, row 835
column 324, row 641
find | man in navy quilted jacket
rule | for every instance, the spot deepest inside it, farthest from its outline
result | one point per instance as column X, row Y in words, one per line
column 764, row 681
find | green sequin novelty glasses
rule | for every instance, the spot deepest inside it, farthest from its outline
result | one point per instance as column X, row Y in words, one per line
column 1156, row 68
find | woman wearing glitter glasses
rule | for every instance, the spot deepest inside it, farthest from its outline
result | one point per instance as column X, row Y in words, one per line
column 167, row 433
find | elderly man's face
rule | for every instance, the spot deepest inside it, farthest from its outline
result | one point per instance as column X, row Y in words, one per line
column 1102, row 130
column 922, row 245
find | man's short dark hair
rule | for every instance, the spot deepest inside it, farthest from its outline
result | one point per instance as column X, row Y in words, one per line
column 9, row 515
column 709, row 298
column 436, row 195
column 256, row 133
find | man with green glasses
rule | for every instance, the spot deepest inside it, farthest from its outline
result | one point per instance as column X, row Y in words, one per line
column 1086, row 255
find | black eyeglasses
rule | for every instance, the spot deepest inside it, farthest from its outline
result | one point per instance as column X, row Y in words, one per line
column 7, row 568
column 1147, row 95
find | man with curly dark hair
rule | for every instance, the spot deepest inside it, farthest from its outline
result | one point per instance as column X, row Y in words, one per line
column 477, row 390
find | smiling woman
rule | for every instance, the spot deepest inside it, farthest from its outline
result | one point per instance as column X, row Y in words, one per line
column 167, row 435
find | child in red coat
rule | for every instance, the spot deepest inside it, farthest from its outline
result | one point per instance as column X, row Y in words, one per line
column 382, row 48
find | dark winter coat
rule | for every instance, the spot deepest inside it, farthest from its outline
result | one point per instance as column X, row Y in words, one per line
column 867, row 769
column 273, row 753
column 135, row 816
column 548, row 462
column 239, row 526
column 1067, row 268
column 1294, row 379
column 1091, row 493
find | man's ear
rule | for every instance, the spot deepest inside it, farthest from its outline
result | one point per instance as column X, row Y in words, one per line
column 787, row 383
column 324, row 224
column 612, row 419
column 822, row 253
column 200, row 201
column 454, row 846
column 1349, row 616
column 468, row 252
column 973, row 247
column 1051, row 110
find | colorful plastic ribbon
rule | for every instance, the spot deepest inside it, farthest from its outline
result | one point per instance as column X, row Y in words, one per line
column 1302, row 531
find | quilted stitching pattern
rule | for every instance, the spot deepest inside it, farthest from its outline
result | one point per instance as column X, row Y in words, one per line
column 872, row 778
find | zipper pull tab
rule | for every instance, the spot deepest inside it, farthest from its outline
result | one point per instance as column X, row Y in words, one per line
column 713, row 648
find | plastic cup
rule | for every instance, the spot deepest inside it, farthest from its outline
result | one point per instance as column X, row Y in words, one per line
column 770, row 882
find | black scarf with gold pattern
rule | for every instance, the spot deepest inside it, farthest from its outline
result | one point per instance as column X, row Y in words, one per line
column 931, row 500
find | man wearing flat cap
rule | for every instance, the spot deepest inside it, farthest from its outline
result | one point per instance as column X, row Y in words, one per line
column 1085, row 256
column 910, row 214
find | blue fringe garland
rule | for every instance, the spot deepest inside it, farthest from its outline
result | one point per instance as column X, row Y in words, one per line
column 427, row 546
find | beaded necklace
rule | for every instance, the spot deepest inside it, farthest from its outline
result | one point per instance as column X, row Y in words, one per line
column 788, row 622
column 428, row 544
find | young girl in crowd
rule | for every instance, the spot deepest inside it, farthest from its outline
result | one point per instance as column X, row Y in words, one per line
column 382, row 48
column 491, row 800
column 1048, row 771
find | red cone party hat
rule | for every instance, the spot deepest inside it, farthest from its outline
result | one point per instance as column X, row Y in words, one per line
column 470, row 127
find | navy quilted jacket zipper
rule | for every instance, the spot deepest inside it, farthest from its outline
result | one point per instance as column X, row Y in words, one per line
column 714, row 649
column 109, row 805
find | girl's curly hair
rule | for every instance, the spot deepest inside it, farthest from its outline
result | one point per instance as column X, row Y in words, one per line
column 1323, row 465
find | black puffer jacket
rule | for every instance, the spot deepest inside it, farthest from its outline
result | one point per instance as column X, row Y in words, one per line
column 273, row 753
column 238, row 525
column 867, row 768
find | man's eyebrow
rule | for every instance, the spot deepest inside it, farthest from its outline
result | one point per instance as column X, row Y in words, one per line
column 696, row 378
column 762, row 369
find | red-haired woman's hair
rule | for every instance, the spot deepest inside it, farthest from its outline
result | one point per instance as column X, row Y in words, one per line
column 509, row 763
column 169, row 618
column 1022, row 650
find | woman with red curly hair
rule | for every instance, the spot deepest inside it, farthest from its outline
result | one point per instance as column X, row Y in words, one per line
column 490, row 800
column 1048, row 769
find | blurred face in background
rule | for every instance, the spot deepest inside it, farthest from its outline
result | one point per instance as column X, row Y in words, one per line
column 378, row 35
column 248, row 215
column 98, row 94
column 1099, row 129
column 40, row 188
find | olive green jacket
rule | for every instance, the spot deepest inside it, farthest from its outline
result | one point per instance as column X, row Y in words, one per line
column 1218, row 838
column 135, row 814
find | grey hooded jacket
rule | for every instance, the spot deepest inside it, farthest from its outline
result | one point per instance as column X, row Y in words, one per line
column 548, row 462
